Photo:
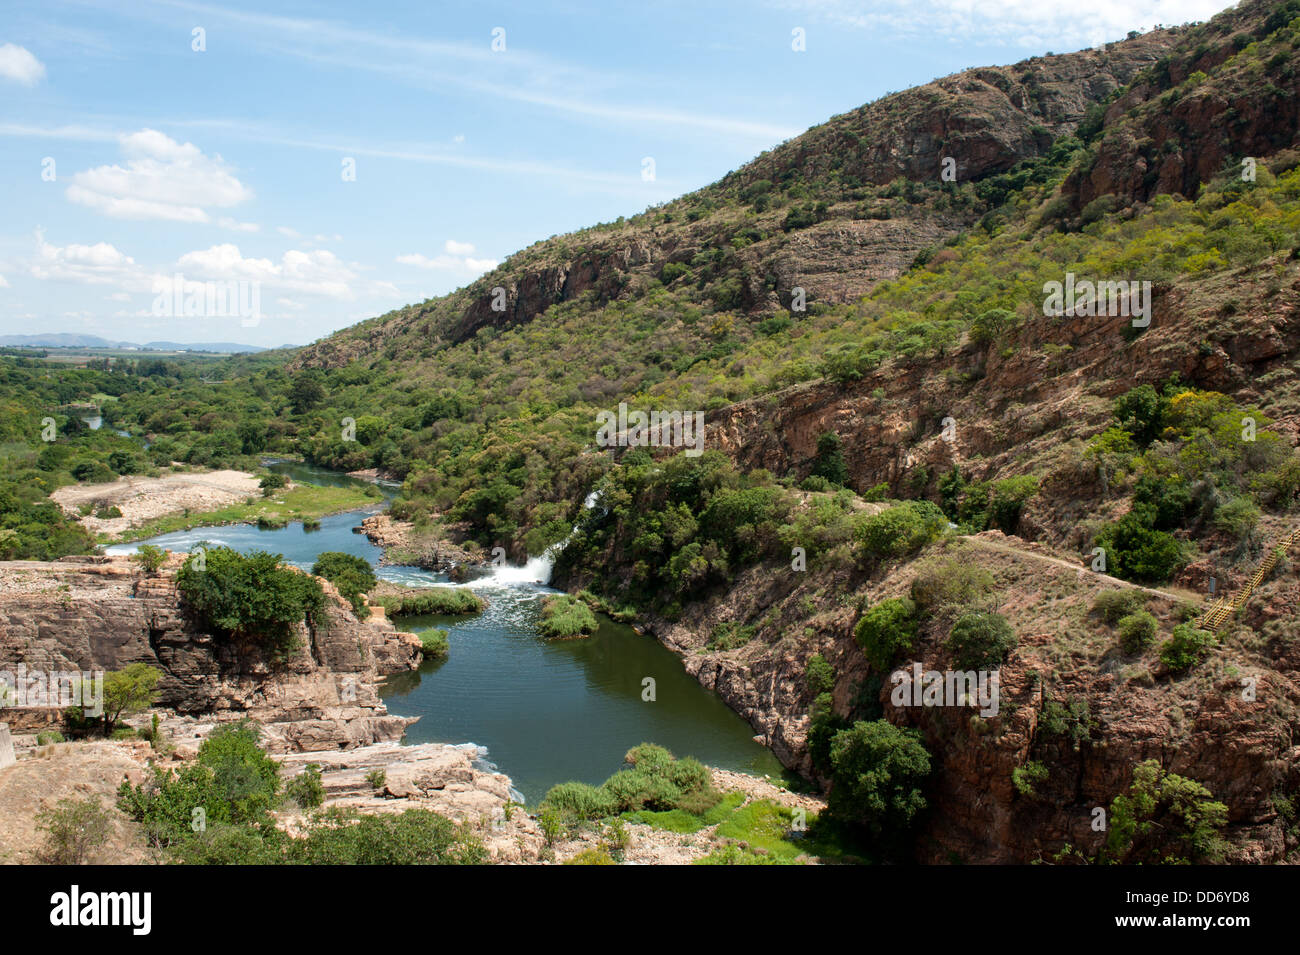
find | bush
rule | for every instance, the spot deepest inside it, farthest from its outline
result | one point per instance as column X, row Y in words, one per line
column 902, row 530
column 1185, row 648
column 442, row 601
column 948, row 586
column 877, row 771
column 980, row 641
column 578, row 802
column 829, row 462
column 565, row 616
column 1136, row 551
column 377, row 779
column 1164, row 819
column 434, row 644
column 1113, row 605
column 74, row 830
column 353, row 576
column 886, row 630
column 306, row 789
column 250, row 598
column 129, row 690
column 819, row 675
column 730, row 635
column 413, row 837
column 272, row 483
column 1137, row 631
column 150, row 557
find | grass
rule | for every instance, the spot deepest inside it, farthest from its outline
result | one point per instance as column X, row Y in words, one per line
column 434, row 644
column 303, row 502
column 444, row 601
column 566, row 616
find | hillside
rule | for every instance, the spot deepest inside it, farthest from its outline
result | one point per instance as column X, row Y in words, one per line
column 908, row 456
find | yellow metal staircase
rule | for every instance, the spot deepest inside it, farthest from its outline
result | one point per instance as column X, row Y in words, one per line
column 1223, row 608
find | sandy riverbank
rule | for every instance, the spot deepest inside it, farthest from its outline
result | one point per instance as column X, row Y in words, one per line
column 142, row 499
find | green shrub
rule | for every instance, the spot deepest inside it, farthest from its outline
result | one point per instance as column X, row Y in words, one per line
column 442, row 601
column 434, row 644
column 377, row 779
column 272, row 483
column 306, row 789
column 730, row 636
column 823, row 724
column 1137, row 631
column 352, row 575
column 1113, row 605
column 902, row 530
column 1025, row 778
column 413, row 837
column 886, row 630
column 819, row 675
column 564, row 616
column 48, row 737
column 829, row 462
column 579, row 802
column 250, row 598
column 150, row 557
column 1136, row 551
column 1164, row 819
column 980, row 640
column 1185, row 648
column 877, row 771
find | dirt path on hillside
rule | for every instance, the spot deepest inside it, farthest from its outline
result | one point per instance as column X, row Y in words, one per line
column 142, row 499
column 1060, row 562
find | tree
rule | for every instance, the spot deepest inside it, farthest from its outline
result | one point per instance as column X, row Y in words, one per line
column 250, row 598
column 887, row 629
column 129, row 691
column 150, row 557
column 307, row 391
column 829, row 463
column 980, row 641
column 877, row 771
column 1164, row 818
column 352, row 575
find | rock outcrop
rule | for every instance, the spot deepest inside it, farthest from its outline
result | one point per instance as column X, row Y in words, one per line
column 101, row 613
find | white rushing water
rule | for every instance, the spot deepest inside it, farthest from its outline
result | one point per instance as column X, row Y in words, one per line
column 537, row 570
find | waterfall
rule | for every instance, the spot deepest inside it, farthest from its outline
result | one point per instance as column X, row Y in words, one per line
column 537, row 570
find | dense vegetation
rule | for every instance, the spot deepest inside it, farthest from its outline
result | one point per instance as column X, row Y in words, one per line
column 250, row 599
column 218, row 811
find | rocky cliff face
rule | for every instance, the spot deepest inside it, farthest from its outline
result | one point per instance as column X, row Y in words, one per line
column 100, row 613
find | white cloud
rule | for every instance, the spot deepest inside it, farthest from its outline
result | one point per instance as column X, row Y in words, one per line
column 162, row 179
column 457, row 259
column 3, row 283
column 1055, row 24
column 98, row 264
column 17, row 63
column 315, row 272
column 235, row 226
column 291, row 233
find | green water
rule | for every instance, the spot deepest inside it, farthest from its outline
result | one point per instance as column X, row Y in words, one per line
column 545, row 711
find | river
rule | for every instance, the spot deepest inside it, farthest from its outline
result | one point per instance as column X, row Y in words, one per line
column 546, row 711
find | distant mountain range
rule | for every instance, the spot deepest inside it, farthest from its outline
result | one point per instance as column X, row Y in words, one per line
column 63, row 340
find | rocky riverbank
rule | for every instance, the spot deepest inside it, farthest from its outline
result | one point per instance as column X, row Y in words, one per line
column 103, row 613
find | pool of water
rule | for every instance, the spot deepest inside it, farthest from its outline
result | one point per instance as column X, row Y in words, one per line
column 547, row 711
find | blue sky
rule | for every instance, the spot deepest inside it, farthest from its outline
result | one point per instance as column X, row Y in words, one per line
column 127, row 156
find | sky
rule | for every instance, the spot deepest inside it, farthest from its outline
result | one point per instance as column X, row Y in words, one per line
column 320, row 163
